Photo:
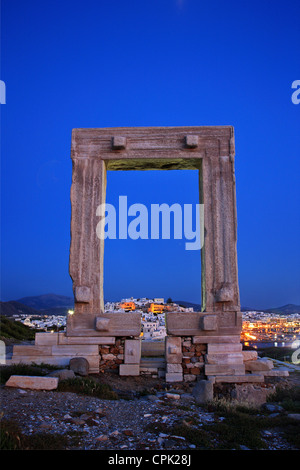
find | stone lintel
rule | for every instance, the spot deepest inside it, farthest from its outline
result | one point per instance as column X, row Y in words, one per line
column 117, row 324
column 202, row 323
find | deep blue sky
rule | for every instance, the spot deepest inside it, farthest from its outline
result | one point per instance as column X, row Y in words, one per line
column 97, row 63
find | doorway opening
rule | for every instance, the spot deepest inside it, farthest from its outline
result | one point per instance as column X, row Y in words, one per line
column 147, row 268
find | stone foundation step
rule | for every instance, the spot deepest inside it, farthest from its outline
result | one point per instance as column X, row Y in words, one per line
column 224, row 369
column 153, row 363
column 247, row 378
column 60, row 361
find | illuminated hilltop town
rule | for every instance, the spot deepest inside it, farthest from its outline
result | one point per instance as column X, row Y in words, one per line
column 259, row 328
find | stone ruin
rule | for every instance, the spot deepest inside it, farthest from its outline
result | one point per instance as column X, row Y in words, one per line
column 198, row 345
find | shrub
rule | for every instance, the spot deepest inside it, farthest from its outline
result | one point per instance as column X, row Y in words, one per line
column 11, row 438
column 87, row 386
column 24, row 369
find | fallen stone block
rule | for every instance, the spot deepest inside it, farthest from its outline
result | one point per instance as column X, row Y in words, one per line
column 79, row 365
column 250, row 393
column 32, row 382
column 203, row 391
column 259, row 365
column 249, row 355
column 173, row 396
column 274, row 373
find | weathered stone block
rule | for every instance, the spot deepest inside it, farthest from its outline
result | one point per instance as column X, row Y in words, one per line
column 174, row 368
column 102, row 324
column 82, row 294
column 225, row 294
column 250, row 393
column 28, row 350
column 203, row 391
column 224, row 369
column 99, row 340
column 189, row 378
column 118, row 142
column 274, row 373
column 243, row 378
column 221, row 348
column 259, row 365
column 174, row 377
column 80, row 366
column 46, row 339
column 173, row 350
column 216, row 339
column 108, row 357
column 32, row 383
column 132, row 351
column 121, row 324
column 192, row 141
column 129, row 369
column 228, row 358
column 75, row 350
column 209, row 322
column 249, row 355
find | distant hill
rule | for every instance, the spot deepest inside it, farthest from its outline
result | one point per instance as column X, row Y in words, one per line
column 15, row 330
column 285, row 310
column 15, row 308
column 48, row 302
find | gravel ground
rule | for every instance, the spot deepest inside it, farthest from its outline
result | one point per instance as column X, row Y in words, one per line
column 103, row 424
column 125, row 424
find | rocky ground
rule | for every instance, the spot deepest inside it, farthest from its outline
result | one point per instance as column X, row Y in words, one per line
column 136, row 421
